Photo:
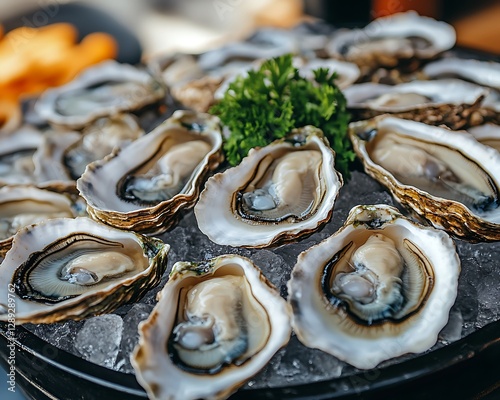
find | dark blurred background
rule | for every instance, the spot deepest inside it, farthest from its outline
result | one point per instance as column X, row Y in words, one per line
column 361, row 11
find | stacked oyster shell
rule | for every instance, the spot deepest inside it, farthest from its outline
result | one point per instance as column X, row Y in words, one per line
column 381, row 278
column 145, row 186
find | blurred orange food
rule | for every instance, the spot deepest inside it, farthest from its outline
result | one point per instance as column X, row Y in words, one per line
column 34, row 59
column 381, row 8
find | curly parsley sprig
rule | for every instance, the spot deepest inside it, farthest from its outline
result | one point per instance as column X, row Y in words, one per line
column 268, row 103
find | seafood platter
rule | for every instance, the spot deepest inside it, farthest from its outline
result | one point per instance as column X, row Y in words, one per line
column 148, row 264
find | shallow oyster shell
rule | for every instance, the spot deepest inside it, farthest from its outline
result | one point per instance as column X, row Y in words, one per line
column 104, row 182
column 122, row 88
column 459, row 152
column 36, row 248
column 158, row 371
column 217, row 209
column 449, row 101
column 428, row 282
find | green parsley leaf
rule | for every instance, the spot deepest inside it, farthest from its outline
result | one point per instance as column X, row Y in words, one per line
column 267, row 104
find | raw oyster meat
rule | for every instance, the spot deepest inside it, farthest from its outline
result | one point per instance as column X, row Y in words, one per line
column 380, row 287
column 278, row 193
column 449, row 101
column 216, row 324
column 144, row 186
column 102, row 90
column 446, row 177
column 73, row 268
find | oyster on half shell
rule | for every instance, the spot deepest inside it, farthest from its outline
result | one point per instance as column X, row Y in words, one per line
column 401, row 39
column 446, row 177
column 217, row 323
column 63, row 156
column 143, row 186
column 278, row 193
column 102, row 90
column 72, row 268
column 380, row 287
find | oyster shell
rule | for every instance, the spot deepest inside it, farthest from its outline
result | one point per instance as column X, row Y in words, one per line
column 278, row 193
column 21, row 206
column 103, row 90
column 488, row 134
column 450, row 101
column 73, row 268
column 63, row 156
column 380, row 287
column 264, row 43
column 391, row 41
column 16, row 156
column 144, row 186
column 485, row 73
column 347, row 73
column 216, row 324
column 448, row 178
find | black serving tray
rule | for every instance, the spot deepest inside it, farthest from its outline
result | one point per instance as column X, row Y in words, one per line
column 466, row 369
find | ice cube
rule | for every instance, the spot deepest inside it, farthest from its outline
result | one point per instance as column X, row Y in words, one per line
column 99, row 339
